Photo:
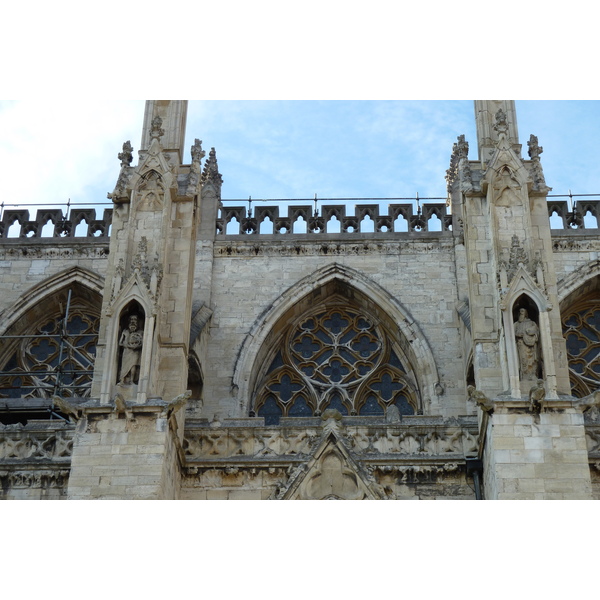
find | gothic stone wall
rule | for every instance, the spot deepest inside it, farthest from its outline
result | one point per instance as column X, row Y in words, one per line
column 25, row 264
column 248, row 277
column 576, row 258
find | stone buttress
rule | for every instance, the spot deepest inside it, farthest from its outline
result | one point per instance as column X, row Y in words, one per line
column 126, row 444
column 532, row 433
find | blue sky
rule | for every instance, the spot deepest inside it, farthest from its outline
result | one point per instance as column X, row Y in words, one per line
column 58, row 150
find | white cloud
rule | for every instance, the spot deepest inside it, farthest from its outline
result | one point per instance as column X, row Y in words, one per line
column 55, row 150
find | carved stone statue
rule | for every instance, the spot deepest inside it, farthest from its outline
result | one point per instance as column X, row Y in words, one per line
column 481, row 399
column 527, row 335
column 131, row 341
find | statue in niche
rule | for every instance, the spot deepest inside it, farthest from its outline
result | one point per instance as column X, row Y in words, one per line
column 527, row 335
column 131, row 341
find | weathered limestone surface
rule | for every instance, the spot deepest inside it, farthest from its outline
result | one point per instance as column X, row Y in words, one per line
column 209, row 303
column 116, row 456
column 541, row 456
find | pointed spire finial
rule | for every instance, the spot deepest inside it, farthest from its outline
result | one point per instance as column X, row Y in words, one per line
column 534, row 148
column 211, row 169
column 127, row 155
column 197, row 153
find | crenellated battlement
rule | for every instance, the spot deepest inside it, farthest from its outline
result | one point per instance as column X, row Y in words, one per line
column 54, row 223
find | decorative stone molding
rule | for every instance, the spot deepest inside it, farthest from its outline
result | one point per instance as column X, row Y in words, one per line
column 332, row 457
column 24, row 444
column 537, row 173
column 192, row 185
column 119, row 194
column 460, row 169
column 442, row 244
column 39, row 478
column 591, row 244
column 205, row 446
column 98, row 249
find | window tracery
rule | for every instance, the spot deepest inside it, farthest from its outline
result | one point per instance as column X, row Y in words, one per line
column 335, row 357
column 581, row 329
column 52, row 355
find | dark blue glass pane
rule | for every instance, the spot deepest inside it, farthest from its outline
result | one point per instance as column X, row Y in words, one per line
column 300, row 409
column 336, row 323
column 578, row 367
column 306, row 346
column 363, row 323
column 387, row 387
column 277, row 362
column 286, row 388
column 48, row 327
column 270, row 411
column 575, row 345
column 11, row 364
column 336, row 403
column 76, row 325
column 395, row 362
column 371, row 408
column 404, row 406
column 365, row 345
column 43, row 350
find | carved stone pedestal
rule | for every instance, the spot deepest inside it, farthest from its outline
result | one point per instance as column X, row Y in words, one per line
column 130, row 454
column 530, row 456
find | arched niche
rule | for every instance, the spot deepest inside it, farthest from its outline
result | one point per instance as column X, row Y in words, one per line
column 526, row 329
column 345, row 287
column 132, row 322
column 528, row 340
column 133, row 298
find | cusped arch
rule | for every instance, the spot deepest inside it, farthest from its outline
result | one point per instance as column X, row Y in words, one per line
column 315, row 288
column 30, row 350
column 579, row 296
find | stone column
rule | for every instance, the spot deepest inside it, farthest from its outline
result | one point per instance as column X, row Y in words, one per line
column 127, row 443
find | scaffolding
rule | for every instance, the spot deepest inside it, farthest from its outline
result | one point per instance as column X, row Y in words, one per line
column 65, row 349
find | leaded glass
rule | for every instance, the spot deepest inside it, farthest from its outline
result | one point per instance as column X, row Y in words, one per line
column 38, row 365
column 581, row 328
column 334, row 357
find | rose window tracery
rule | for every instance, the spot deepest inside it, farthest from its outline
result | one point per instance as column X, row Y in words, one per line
column 335, row 357
column 581, row 329
column 51, row 359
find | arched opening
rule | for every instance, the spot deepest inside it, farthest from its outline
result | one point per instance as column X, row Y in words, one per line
column 333, row 349
column 49, row 350
column 526, row 318
column 581, row 329
column 131, row 339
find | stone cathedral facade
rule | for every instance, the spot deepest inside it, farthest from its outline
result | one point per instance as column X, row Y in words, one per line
column 178, row 347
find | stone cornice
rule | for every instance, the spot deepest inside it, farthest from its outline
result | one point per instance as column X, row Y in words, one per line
column 324, row 245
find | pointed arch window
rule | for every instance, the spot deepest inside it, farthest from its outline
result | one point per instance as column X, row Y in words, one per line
column 581, row 329
column 50, row 353
column 335, row 356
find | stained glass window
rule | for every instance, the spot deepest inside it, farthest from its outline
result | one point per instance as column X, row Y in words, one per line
column 581, row 328
column 335, row 357
column 50, row 357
